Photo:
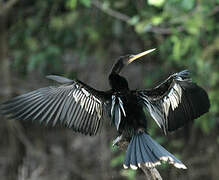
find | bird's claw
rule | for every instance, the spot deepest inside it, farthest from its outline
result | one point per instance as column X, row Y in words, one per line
column 141, row 130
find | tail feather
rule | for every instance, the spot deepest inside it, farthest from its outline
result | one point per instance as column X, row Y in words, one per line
column 129, row 152
column 150, row 152
column 139, row 152
column 133, row 160
column 144, row 150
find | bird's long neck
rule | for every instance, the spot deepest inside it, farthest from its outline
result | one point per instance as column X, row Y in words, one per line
column 118, row 83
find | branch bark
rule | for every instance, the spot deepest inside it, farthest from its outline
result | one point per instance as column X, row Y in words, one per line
column 110, row 12
column 151, row 173
column 5, row 7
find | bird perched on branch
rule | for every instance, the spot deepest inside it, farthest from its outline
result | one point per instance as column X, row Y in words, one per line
column 80, row 107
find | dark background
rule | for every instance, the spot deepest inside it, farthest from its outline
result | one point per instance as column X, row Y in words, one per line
column 82, row 39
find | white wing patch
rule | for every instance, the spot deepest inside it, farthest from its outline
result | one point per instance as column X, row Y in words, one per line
column 85, row 99
column 116, row 109
column 159, row 109
column 173, row 98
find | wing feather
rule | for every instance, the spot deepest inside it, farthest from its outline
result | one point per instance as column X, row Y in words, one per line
column 72, row 104
column 84, row 123
column 88, row 128
column 175, row 102
column 34, row 111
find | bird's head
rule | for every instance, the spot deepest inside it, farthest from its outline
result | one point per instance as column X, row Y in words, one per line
column 127, row 59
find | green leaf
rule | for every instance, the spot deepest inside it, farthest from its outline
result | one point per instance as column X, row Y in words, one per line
column 194, row 24
column 114, row 148
column 134, row 20
column 142, row 26
column 71, row 4
column 156, row 3
column 157, row 20
column 187, row 4
column 86, row 3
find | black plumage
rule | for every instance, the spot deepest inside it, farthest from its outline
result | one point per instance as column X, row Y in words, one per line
column 76, row 105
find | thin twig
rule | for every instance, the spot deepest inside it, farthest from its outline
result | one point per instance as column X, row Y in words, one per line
column 110, row 11
column 164, row 31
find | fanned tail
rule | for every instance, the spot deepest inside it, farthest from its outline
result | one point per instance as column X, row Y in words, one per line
column 143, row 149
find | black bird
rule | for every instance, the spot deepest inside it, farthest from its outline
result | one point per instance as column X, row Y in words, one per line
column 78, row 106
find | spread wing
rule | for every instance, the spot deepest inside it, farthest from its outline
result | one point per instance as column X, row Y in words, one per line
column 73, row 104
column 175, row 102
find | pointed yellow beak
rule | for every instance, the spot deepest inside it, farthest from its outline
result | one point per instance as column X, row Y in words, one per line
column 134, row 57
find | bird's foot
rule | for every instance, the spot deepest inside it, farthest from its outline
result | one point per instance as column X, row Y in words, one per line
column 141, row 130
column 116, row 141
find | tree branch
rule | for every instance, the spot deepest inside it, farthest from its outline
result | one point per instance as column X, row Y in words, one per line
column 5, row 7
column 125, row 18
column 110, row 12
column 151, row 173
column 164, row 30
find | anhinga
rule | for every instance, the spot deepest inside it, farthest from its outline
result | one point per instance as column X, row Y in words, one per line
column 76, row 105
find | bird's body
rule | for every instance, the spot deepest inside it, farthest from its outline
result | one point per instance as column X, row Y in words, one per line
column 133, row 116
column 76, row 105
